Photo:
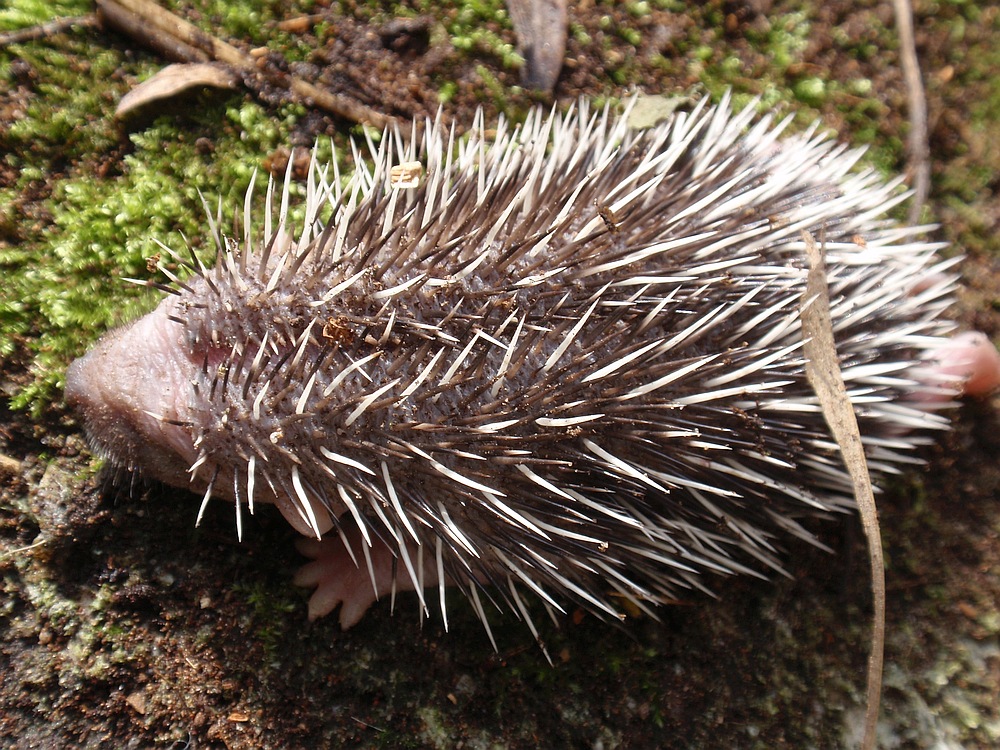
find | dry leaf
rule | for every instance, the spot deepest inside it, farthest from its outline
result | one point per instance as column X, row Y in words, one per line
column 541, row 27
column 173, row 81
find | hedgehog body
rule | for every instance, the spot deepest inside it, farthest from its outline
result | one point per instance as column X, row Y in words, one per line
column 568, row 361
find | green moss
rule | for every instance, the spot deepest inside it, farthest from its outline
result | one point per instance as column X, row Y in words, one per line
column 18, row 14
column 811, row 91
column 638, row 9
column 447, row 92
column 491, row 85
column 632, row 36
column 481, row 27
column 104, row 229
column 579, row 34
column 270, row 609
column 786, row 39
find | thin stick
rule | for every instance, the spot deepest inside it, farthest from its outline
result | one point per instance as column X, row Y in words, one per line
column 50, row 28
column 185, row 41
column 823, row 373
column 917, row 145
column 138, row 28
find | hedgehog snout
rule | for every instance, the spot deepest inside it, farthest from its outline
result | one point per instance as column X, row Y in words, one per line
column 130, row 392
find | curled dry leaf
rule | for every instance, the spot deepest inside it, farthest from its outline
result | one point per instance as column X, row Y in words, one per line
column 540, row 26
column 173, row 81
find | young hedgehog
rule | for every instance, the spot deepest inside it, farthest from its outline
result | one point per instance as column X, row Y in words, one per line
column 567, row 360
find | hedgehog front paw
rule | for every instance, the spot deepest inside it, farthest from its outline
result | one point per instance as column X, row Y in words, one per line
column 338, row 580
column 353, row 582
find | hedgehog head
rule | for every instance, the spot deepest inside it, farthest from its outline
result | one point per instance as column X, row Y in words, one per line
column 128, row 393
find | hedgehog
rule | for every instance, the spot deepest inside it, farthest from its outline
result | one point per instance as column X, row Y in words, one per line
column 561, row 359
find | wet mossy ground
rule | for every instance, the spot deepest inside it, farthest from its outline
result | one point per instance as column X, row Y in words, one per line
column 124, row 626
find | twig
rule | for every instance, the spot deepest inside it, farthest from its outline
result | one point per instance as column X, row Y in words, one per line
column 51, row 28
column 137, row 27
column 21, row 550
column 9, row 465
column 827, row 381
column 917, row 145
column 183, row 41
column 540, row 27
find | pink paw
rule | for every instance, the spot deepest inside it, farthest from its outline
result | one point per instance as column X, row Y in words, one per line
column 972, row 363
column 337, row 580
column 353, row 586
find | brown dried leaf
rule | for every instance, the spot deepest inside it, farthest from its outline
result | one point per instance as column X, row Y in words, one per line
column 541, row 27
column 824, row 375
column 173, row 81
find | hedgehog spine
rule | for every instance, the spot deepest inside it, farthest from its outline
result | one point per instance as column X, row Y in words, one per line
column 568, row 360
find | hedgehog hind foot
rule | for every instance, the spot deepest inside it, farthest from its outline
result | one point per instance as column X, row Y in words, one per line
column 352, row 582
column 967, row 365
column 976, row 362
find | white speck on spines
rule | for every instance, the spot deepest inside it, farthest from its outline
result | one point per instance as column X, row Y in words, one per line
column 353, row 509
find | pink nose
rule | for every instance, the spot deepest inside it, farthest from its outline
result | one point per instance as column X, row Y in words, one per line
column 132, row 392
